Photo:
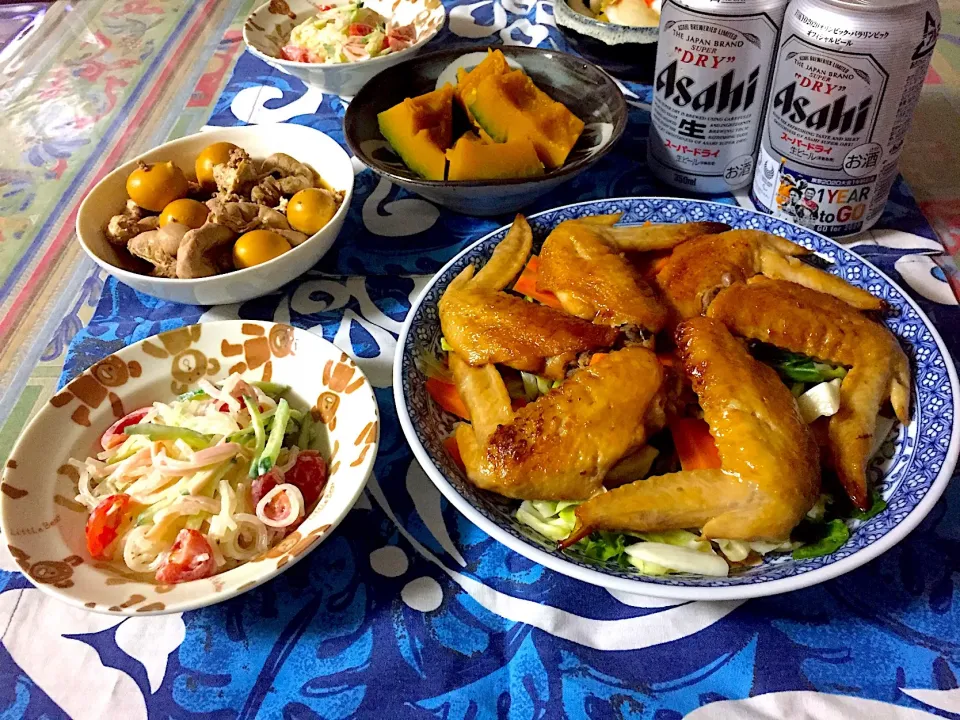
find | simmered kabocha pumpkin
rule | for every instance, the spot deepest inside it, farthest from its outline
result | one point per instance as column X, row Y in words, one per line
column 420, row 129
column 494, row 64
column 510, row 106
column 473, row 159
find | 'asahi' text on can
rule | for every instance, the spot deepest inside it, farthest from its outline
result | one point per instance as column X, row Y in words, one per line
column 847, row 81
column 714, row 62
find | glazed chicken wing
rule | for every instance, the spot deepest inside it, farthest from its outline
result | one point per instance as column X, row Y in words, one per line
column 561, row 446
column 594, row 281
column 485, row 325
column 582, row 263
column 815, row 324
column 770, row 476
column 699, row 268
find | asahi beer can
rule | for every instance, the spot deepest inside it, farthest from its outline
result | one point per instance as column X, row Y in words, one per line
column 847, row 80
column 714, row 62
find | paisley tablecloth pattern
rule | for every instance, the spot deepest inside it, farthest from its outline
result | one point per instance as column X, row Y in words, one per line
column 410, row 610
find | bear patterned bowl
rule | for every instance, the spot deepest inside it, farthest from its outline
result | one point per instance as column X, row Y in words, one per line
column 563, row 77
column 267, row 30
column 44, row 526
column 912, row 470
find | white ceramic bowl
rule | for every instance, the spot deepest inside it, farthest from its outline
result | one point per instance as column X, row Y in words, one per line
column 267, row 30
column 307, row 145
column 43, row 525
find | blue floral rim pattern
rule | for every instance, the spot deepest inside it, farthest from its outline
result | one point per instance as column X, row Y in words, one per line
column 911, row 470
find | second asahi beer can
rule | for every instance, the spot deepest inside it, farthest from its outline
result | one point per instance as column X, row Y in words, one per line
column 714, row 62
column 847, row 80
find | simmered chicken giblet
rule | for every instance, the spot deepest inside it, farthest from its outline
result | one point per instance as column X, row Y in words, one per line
column 809, row 322
column 770, row 476
column 582, row 263
column 484, row 325
column 696, row 270
column 561, row 446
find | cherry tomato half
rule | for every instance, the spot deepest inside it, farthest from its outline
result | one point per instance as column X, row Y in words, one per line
column 190, row 558
column 309, row 474
column 264, row 484
column 359, row 30
column 104, row 524
column 114, row 436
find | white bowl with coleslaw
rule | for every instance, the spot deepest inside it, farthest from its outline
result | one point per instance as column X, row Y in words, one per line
column 344, row 66
column 131, row 492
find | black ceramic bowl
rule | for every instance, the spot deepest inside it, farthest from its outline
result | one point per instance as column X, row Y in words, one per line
column 585, row 89
column 627, row 52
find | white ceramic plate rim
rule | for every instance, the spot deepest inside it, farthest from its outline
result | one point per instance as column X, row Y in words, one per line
column 639, row 586
column 127, row 167
column 211, row 597
column 270, row 60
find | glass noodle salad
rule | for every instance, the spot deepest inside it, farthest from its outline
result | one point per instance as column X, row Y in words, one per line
column 346, row 33
column 187, row 489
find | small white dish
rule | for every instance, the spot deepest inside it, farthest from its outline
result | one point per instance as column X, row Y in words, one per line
column 44, row 526
column 267, row 30
column 307, row 145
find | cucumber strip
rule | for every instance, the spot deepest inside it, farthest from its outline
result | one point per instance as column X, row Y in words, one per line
column 271, row 449
column 260, row 433
column 272, row 389
column 198, row 441
column 306, row 429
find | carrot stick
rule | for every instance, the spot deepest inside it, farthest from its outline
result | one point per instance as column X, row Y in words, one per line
column 527, row 284
column 695, row 445
column 453, row 450
column 446, row 396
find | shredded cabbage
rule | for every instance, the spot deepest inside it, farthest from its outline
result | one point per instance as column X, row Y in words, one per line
column 678, row 558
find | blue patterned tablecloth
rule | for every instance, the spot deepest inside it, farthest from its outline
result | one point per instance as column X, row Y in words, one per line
column 408, row 610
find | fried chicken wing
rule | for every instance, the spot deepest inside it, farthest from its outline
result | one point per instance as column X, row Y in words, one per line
column 594, row 281
column 561, row 446
column 655, row 236
column 583, row 264
column 485, row 325
column 770, row 474
column 696, row 270
column 815, row 324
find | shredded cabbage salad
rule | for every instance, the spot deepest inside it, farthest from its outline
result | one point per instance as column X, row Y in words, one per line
column 190, row 488
column 346, row 33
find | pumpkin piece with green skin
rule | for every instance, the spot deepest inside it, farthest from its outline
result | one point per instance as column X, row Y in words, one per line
column 420, row 129
column 511, row 106
column 473, row 159
column 494, row 64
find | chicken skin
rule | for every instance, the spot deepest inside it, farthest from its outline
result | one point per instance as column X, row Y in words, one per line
column 696, row 270
column 582, row 263
column 485, row 325
column 561, row 446
column 770, row 471
column 820, row 326
column 489, row 326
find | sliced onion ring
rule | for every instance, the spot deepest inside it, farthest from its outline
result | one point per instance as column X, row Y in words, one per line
column 296, row 506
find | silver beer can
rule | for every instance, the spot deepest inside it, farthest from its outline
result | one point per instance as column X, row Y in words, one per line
column 714, row 62
column 847, row 80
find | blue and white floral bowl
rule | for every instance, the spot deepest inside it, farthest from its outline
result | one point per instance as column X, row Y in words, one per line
column 912, row 469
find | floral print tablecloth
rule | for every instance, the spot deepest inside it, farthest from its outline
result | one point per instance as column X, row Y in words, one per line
column 411, row 611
